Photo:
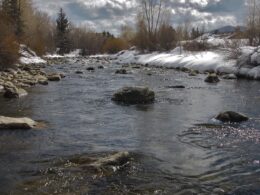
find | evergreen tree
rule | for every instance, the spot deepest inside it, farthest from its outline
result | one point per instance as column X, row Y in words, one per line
column 12, row 8
column 62, row 36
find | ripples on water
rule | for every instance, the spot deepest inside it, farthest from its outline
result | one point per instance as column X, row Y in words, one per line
column 175, row 146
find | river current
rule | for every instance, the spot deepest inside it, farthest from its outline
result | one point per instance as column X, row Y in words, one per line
column 176, row 146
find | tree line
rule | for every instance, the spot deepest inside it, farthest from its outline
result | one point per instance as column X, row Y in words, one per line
column 22, row 23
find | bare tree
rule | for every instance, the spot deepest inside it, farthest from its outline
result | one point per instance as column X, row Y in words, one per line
column 153, row 26
column 253, row 22
column 179, row 32
column 152, row 16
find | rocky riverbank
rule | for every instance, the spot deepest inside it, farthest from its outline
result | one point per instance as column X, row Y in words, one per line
column 14, row 82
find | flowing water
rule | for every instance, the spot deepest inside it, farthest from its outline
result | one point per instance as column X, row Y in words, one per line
column 175, row 145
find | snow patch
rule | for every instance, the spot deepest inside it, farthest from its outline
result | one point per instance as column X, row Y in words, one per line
column 29, row 57
column 216, row 60
column 72, row 54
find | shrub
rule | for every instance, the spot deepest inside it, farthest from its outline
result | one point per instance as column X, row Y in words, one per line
column 196, row 46
column 9, row 48
column 114, row 45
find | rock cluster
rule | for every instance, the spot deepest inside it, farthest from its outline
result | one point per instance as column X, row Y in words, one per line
column 13, row 82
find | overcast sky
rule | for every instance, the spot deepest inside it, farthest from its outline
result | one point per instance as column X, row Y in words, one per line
column 110, row 15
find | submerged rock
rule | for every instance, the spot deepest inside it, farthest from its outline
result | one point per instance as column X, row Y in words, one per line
column 121, row 71
column 212, row 78
column 176, row 87
column 231, row 116
column 134, row 95
column 14, row 92
column 16, row 123
column 117, row 159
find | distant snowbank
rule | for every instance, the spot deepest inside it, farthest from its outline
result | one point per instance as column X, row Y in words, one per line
column 28, row 56
column 208, row 61
column 72, row 54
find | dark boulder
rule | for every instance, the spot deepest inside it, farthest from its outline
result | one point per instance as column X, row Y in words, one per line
column 231, row 116
column 176, row 87
column 79, row 72
column 134, row 95
column 54, row 77
column 90, row 69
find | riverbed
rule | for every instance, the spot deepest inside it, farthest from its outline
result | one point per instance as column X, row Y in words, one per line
column 176, row 146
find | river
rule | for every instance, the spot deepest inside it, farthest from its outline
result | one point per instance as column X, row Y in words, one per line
column 175, row 144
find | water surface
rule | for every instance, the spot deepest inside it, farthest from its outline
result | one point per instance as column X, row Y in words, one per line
column 172, row 151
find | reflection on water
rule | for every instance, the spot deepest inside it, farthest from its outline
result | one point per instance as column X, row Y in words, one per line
column 170, row 152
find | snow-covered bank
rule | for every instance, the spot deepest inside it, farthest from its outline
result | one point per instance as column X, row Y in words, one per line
column 29, row 57
column 72, row 54
column 248, row 64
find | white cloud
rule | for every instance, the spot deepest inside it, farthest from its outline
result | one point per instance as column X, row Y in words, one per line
column 111, row 14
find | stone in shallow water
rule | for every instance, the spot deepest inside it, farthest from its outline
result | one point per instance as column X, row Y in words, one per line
column 121, row 71
column 14, row 92
column 90, row 69
column 176, row 87
column 231, row 116
column 134, row 95
column 54, row 77
column 16, row 123
column 212, row 78
column 117, row 159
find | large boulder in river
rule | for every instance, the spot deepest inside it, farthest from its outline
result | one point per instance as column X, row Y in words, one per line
column 16, row 123
column 14, row 92
column 231, row 116
column 134, row 95
column 212, row 78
